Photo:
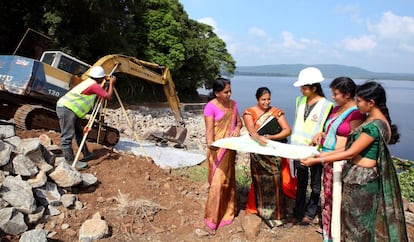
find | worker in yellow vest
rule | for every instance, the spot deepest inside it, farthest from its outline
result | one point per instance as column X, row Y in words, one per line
column 74, row 105
column 312, row 110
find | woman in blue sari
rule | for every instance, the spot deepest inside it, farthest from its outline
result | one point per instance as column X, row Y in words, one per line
column 343, row 119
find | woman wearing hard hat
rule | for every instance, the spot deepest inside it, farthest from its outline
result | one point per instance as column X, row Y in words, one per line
column 312, row 110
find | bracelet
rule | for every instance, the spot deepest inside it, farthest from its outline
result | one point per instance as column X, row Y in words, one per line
column 322, row 160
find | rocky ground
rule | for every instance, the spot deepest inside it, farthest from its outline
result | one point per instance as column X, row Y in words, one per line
column 142, row 202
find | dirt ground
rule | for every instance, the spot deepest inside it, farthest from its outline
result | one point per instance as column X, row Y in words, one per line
column 142, row 202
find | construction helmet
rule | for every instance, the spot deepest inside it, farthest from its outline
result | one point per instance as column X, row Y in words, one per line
column 97, row 72
column 309, row 76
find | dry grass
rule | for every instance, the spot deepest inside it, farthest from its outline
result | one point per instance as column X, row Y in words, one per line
column 141, row 207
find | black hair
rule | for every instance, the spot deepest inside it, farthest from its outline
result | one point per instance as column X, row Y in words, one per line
column 218, row 85
column 318, row 87
column 345, row 85
column 372, row 90
column 262, row 91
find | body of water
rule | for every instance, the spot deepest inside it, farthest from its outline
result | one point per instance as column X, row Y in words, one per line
column 400, row 103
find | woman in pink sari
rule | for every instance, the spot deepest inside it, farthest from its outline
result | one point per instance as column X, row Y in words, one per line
column 222, row 120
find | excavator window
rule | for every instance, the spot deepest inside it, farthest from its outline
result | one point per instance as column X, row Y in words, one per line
column 64, row 62
column 48, row 58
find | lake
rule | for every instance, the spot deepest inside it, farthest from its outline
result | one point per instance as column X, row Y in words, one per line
column 400, row 103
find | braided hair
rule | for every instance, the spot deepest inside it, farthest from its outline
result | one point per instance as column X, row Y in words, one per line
column 372, row 90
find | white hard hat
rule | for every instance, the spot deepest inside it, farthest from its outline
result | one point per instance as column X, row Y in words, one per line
column 309, row 76
column 97, row 72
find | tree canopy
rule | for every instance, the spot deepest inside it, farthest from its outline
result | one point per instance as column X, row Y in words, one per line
column 157, row 31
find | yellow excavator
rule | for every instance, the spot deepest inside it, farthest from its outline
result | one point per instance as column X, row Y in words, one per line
column 30, row 88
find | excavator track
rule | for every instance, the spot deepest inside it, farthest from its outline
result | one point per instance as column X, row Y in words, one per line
column 29, row 117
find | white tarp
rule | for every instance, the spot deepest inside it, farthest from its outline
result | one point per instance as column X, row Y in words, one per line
column 164, row 157
column 246, row 144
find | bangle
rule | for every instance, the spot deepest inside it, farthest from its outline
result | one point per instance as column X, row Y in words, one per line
column 322, row 160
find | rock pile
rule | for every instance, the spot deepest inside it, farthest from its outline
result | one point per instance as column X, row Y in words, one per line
column 146, row 120
column 35, row 184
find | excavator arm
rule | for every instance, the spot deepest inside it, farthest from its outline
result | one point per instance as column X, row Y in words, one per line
column 146, row 71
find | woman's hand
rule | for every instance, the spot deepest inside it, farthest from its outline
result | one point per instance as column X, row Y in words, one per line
column 236, row 132
column 310, row 161
column 317, row 139
column 262, row 140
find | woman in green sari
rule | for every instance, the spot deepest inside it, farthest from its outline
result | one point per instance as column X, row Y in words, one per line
column 371, row 208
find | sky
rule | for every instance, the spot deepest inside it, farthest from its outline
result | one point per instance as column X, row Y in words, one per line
column 376, row 35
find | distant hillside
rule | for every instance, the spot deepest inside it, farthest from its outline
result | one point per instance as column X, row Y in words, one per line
column 331, row 71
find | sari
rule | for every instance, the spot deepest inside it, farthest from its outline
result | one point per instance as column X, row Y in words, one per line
column 266, row 197
column 221, row 201
column 331, row 199
column 372, row 207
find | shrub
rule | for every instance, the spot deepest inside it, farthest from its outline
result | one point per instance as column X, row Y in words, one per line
column 405, row 177
column 406, row 180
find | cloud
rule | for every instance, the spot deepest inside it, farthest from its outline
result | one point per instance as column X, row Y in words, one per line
column 225, row 36
column 408, row 48
column 389, row 39
column 394, row 30
column 209, row 21
column 289, row 42
column 350, row 9
column 392, row 26
column 361, row 44
column 257, row 32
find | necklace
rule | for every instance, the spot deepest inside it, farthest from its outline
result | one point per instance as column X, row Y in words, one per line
column 308, row 109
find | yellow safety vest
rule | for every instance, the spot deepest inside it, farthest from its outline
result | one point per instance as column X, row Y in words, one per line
column 304, row 130
column 79, row 103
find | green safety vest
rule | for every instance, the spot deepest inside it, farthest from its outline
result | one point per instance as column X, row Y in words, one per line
column 304, row 130
column 79, row 103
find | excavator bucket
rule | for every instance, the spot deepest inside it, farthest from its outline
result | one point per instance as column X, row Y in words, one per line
column 175, row 134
